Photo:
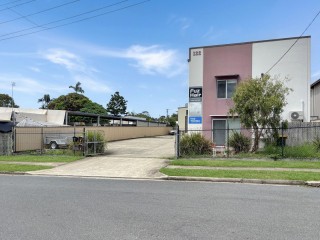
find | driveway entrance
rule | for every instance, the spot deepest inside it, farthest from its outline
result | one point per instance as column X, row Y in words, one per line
column 134, row 158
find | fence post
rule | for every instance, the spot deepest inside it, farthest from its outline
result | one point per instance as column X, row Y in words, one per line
column 228, row 139
column 42, row 145
column 84, row 142
column 177, row 142
column 282, row 139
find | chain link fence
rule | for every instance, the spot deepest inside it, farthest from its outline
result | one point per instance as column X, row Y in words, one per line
column 290, row 134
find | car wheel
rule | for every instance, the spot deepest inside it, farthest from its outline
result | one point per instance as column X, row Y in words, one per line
column 53, row 145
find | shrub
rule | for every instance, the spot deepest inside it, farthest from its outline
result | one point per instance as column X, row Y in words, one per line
column 96, row 142
column 195, row 144
column 301, row 151
column 316, row 143
column 239, row 142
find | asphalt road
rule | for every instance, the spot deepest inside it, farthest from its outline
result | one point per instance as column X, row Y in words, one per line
column 35, row 207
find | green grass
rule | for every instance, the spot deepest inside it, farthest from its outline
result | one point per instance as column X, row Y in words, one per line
column 39, row 158
column 247, row 163
column 251, row 174
column 303, row 151
column 20, row 168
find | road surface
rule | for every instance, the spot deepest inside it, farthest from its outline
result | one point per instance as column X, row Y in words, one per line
column 36, row 207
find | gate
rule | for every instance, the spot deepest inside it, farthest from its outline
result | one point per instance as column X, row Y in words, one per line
column 94, row 142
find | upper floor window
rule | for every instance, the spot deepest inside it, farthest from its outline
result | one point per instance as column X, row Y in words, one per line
column 226, row 87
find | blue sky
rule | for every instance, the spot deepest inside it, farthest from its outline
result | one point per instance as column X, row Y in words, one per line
column 140, row 51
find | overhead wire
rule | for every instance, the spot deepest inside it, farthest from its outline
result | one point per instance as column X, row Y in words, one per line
column 293, row 43
column 20, row 4
column 9, row 2
column 42, row 11
column 64, row 19
column 80, row 20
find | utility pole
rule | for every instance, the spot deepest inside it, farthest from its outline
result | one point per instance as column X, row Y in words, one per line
column 13, row 84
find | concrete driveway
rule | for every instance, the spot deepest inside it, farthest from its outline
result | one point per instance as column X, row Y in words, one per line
column 134, row 158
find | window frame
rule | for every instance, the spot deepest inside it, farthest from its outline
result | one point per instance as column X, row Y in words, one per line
column 226, row 80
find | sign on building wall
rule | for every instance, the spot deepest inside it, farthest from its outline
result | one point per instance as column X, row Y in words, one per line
column 195, row 120
column 195, row 94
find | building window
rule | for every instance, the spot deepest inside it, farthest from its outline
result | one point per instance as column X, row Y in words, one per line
column 226, row 88
column 220, row 129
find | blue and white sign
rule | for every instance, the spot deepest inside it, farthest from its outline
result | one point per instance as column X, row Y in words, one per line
column 195, row 120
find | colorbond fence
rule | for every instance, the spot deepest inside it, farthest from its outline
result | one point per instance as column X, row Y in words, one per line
column 33, row 138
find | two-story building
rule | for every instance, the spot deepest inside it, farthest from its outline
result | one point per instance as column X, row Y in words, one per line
column 215, row 71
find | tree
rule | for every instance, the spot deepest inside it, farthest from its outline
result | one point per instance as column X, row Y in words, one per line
column 45, row 100
column 7, row 101
column 172, row 120
column 70, row 102
column 259, row 103
column 117, row 105
column 77, row 88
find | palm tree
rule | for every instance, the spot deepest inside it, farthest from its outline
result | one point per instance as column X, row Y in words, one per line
column 45, row 101
column 77, row 88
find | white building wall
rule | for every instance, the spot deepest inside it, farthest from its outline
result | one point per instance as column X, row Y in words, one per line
column 295, row 66
column 195, row 80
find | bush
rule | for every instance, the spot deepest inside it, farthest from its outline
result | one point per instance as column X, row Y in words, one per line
column 239, row 142
column 301, row 151
column 195, row 144
column 96, row 142
column 316, row 143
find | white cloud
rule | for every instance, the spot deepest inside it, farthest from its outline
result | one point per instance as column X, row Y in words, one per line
column 35, row 69
column 64, row 58
column 183, row 22
column 78, row 68
column 151, row 59
column 26, row 85
column 90, row 84
column 213, row 34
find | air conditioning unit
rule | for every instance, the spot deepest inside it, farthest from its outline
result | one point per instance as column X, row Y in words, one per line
column 296, row 115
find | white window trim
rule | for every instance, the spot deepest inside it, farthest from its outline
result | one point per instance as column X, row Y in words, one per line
column 226, row 80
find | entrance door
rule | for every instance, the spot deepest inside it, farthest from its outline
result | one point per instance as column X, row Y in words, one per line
column 219, row 132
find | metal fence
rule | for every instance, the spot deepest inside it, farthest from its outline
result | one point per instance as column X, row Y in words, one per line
column 88, row 140
column 292, row 134
column 5, row 143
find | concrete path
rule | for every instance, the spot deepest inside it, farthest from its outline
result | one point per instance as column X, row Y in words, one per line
column 134, row 158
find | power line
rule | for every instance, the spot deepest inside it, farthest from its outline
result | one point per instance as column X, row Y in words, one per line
column 7, row 8
column 80, row 20
column 64, row 19
column 9, row 3
column 294, row 43
column 27, row 19
column 42, row 11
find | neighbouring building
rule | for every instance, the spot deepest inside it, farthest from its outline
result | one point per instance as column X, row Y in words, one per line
column 215, row 71
column 315, row 100
column 183, row 118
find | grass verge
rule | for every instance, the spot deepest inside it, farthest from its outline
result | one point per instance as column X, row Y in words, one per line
column 10, row 168
column 39, row 158
column 245, row 163
column 248, row 174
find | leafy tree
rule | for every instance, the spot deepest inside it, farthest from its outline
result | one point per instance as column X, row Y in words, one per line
column 172, row 120
column 144, row 114
column 117, row 105
column 92, row 107
column 259, row 103
column 45, row 100
column 70, row 102
column 7, row 101
column 77, row 88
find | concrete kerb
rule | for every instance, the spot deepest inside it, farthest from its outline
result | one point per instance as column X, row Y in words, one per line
column 241, row 180
column 194, row 179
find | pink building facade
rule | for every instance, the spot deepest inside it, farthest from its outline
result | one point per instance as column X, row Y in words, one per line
column 215, row 71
